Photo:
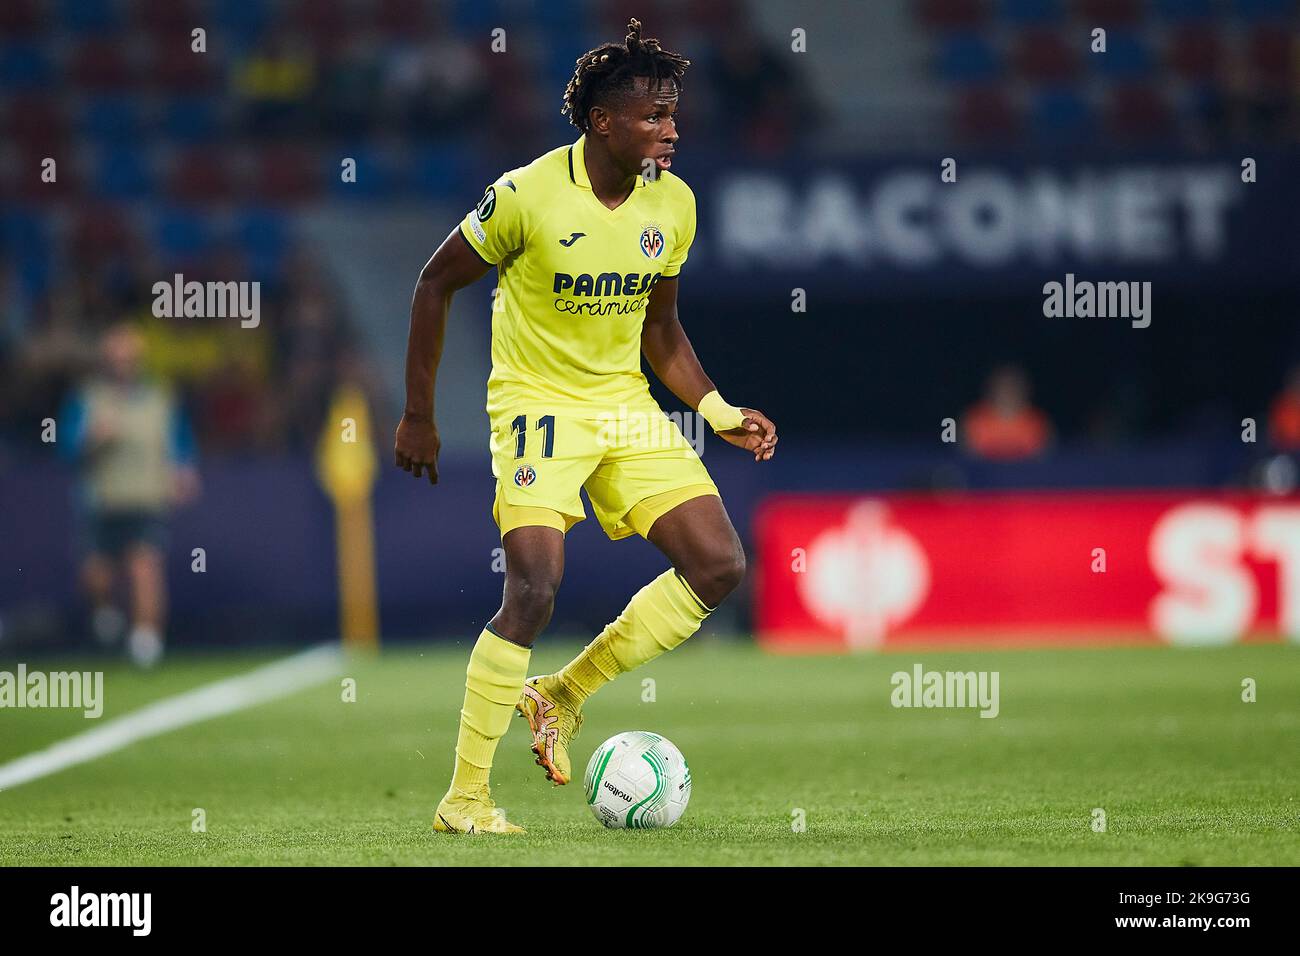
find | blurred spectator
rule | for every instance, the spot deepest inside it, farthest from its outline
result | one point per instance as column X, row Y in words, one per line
column 228, row 371
column 276, row 81
column 233, row 408
column 1004, row 425
column 760, row 103
column 1284, row 416
column 437, row 86
column 350, row 86
column 194, row 351
column 133, row 446
column 309, row 339
column 51, row 357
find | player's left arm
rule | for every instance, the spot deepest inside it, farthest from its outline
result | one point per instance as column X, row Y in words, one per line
column 671, row 356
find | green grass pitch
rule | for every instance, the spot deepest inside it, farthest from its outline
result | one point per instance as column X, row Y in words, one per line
column 1159, row 738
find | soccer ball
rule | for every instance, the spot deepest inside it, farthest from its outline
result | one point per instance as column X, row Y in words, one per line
column 637, row 780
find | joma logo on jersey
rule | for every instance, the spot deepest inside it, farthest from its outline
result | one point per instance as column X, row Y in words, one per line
column 607, row 283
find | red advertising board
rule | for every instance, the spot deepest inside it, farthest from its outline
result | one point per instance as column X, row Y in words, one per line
column 842, row 572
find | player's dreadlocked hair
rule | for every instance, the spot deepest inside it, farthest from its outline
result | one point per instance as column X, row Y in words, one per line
column 610, row 68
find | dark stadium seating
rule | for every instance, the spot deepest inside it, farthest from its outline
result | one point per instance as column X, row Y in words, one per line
column 1165, row 68
column 87, row 78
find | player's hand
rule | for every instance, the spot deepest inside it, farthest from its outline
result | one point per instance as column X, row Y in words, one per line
column 757, row 434
column 417, row 446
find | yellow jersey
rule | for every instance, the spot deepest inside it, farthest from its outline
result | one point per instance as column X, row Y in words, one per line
column 573, row 280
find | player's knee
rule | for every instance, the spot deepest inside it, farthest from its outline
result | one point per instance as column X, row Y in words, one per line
column 531, row 598
column 731, row 569
column 720, row 574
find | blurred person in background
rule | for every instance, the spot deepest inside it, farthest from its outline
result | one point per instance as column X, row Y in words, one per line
column 133, row 446
column 234, row 408
column 275, row 81
column 439, row 85
column 1004, row 425
column 762, row 106
column 350, row 86
column 43, row 365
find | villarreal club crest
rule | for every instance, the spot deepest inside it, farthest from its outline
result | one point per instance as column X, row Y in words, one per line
column 652, row 242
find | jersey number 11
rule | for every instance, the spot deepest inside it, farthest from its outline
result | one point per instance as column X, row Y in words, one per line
column 519, row 428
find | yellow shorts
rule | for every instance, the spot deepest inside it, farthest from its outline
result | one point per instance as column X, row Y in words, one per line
column 635, row 466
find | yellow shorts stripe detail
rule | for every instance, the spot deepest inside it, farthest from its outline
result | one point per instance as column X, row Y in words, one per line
column 647, row 511
column 508, row 516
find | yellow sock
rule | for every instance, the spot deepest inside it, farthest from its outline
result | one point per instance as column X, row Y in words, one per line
column 660, row 616
column 493, row 682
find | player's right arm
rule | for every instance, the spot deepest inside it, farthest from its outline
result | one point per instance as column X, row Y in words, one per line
column 490, row 232
column 454, row 266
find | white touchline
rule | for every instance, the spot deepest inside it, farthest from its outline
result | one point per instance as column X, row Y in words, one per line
column 278, row 679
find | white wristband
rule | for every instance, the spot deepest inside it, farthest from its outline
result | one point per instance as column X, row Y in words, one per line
column 720, row 416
